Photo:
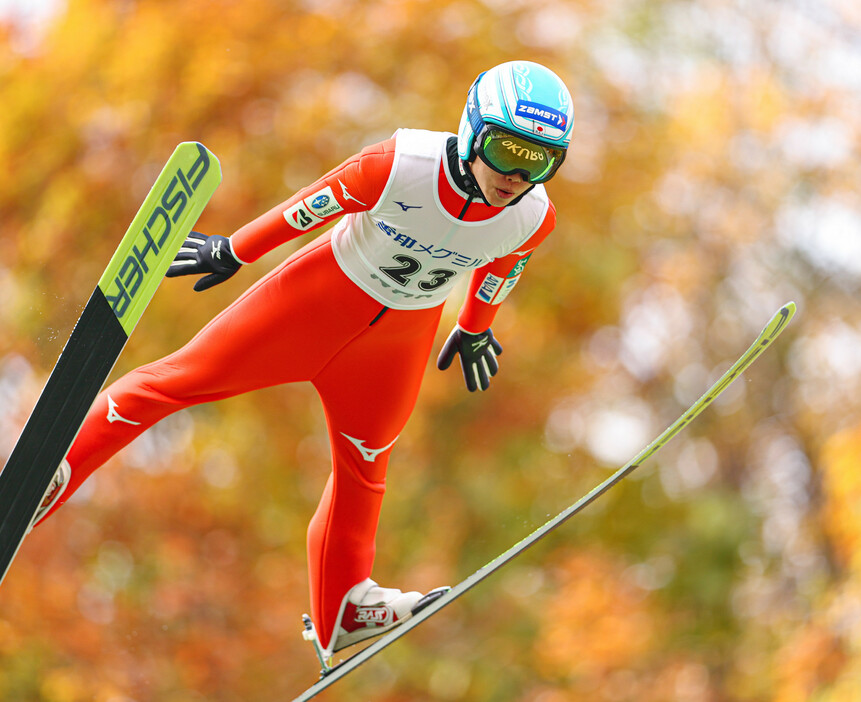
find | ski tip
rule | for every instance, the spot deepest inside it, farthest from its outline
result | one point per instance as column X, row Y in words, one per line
column 786, row 313
column 186, row 144
column 779, row 321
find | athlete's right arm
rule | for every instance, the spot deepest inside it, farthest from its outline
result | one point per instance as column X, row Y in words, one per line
column 354, row 186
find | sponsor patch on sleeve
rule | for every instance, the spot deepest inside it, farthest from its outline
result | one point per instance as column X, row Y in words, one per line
column 519, row 266
column 300, row 217
column 313, row 210
column 494, row 290
column 323, row 203
column 489, row 287
column 506, row 288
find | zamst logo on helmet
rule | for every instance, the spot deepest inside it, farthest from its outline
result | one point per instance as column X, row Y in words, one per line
column 541, row 113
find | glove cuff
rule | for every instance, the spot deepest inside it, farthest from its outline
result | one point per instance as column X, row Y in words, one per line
column 233, row 253
column 464, row 331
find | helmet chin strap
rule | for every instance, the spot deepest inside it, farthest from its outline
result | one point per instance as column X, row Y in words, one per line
column 470, row 181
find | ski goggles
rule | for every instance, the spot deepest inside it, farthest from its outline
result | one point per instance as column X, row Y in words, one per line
column 507, row 154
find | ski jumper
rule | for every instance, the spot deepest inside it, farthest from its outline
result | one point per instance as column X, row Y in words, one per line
column 354, row 312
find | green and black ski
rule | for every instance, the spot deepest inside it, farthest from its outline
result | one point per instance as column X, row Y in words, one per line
column 135, row 271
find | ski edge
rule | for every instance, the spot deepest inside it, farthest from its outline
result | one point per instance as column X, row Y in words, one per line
column 770, row 332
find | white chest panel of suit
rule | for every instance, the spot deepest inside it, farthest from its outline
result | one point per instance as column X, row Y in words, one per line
column 407, row 251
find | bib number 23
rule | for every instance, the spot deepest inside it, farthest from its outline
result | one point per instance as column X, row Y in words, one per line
column 408, row 267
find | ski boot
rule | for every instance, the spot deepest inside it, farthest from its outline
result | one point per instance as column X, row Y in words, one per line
column 54, row 493
column 367, row 610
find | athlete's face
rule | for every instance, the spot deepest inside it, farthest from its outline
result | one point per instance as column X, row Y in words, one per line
column 498, row 189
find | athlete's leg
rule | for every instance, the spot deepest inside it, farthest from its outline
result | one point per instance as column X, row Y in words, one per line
column 368, row 390
column 283, row 329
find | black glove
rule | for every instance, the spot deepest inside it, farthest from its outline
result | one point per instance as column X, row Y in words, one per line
column 478, row 354
column 205, row 254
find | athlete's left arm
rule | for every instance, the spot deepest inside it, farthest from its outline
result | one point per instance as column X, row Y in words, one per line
column 472, row 338
column 491, row 284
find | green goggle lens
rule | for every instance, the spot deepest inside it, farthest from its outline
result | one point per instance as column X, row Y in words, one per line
column 506, row 153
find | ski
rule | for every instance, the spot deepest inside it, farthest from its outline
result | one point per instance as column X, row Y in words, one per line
column 331, row 674
column 173, row 205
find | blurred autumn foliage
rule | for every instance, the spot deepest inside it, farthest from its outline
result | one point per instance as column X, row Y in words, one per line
column 714, row 176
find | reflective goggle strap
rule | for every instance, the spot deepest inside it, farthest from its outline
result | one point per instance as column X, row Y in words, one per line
column 478, row 127
column 544, row 172
column 473, row 112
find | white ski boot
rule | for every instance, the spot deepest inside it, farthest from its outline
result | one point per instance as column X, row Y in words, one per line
column 369, row 610
column 54, row 493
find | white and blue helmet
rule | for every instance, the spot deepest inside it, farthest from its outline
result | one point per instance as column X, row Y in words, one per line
column 520, row 98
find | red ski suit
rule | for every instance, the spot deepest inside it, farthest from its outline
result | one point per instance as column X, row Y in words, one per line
column 309, row 320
